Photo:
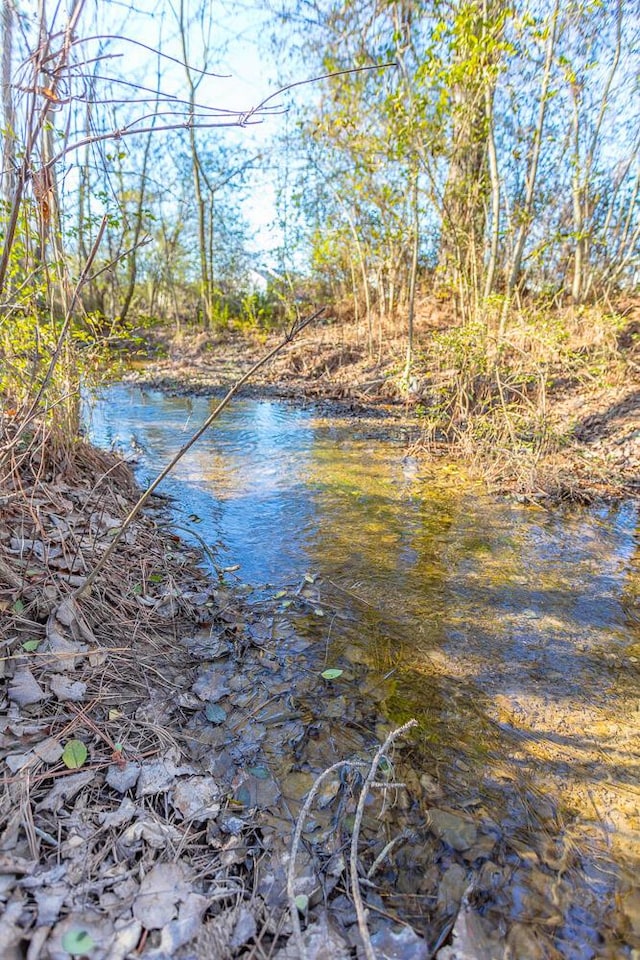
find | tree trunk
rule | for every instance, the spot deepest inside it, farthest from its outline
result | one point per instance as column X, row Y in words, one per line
column 534, row 157
column 413, row 273
column 7, row 174
column 465, row 197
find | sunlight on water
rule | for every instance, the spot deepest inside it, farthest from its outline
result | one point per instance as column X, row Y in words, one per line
column 512, row 632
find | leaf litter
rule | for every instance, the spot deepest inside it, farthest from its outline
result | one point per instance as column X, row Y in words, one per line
column 160, row 738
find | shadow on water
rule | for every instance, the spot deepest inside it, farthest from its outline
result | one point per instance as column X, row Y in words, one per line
column 512, row 633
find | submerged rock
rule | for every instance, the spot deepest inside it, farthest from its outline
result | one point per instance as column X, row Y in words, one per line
column 456, row 831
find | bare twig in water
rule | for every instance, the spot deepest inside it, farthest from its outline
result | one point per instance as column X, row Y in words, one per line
column 353, row 859
column 297, row 327
column 297, row 836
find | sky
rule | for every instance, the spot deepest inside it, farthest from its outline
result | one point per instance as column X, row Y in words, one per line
column 239, row 51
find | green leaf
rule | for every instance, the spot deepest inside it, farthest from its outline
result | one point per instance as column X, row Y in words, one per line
column 156, row 578
column 332, row 674
column 74, row 755
column 18, row 607
column 30, row 645
column 385, row 767
column 78, row 943
column 215, row 713
column 302, row 902
column 260, row 772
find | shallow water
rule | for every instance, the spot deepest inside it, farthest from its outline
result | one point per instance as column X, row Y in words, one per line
column 511, row 632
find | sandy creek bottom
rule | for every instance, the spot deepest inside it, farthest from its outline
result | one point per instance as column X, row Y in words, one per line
column 510, row 632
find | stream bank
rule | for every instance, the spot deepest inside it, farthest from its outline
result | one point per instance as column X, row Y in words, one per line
column 592, row 419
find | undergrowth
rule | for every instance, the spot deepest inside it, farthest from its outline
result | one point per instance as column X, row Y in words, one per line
column 493, row 399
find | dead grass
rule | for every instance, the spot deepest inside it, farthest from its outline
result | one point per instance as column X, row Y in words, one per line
column 550, row 412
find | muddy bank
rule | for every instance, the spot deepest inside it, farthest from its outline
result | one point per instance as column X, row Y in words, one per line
column 592, row 450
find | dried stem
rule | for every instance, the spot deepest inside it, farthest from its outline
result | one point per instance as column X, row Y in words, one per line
column 353, row 858
column 297, row 836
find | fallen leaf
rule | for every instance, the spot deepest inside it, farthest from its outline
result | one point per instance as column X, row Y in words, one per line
column 177, row 933
column 49, row 901
column 161, row 890
column 197, row 798
column 215, row 713
column 49, row 751
column 70, row 615
column 65, row 789
column 63, row 650
column 25, row 689
column 74, row 755
column 332, row 674
column 66, row 689
column 245, row 928
column 11, row 933
column 158, row 776
column 404, row 944
column 321, row 941
column 123, row 778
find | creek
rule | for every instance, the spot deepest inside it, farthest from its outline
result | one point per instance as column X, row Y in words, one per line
column 510, row 631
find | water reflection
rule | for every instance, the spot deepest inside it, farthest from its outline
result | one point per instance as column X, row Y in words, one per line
column 512, row 632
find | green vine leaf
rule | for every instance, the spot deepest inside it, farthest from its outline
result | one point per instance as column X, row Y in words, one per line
column 332, row 674
column 74, row 755
column 78, row 943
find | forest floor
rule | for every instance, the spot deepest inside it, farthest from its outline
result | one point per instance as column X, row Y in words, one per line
column 589, row 410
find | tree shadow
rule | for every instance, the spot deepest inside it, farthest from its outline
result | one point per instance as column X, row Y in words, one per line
column 603, row 423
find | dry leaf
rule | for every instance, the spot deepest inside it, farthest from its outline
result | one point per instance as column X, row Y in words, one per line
column 197, row 798
column 66, row 689
column 65, row 788
column 49, row 751
column 25, row 689
column 160, row 893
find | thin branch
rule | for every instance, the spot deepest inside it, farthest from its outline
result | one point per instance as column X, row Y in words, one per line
column 135, row 510
column 145, row 46
column 353, row 858
column 297, row 836
column 324, row 76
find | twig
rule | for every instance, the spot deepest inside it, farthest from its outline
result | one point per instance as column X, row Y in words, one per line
column 385, row 851
column 353, row 859
column 135, row 510
column 297, row 836
column 291, row 870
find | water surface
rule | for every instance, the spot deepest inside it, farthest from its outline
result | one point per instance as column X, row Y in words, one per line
column 511, row 632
